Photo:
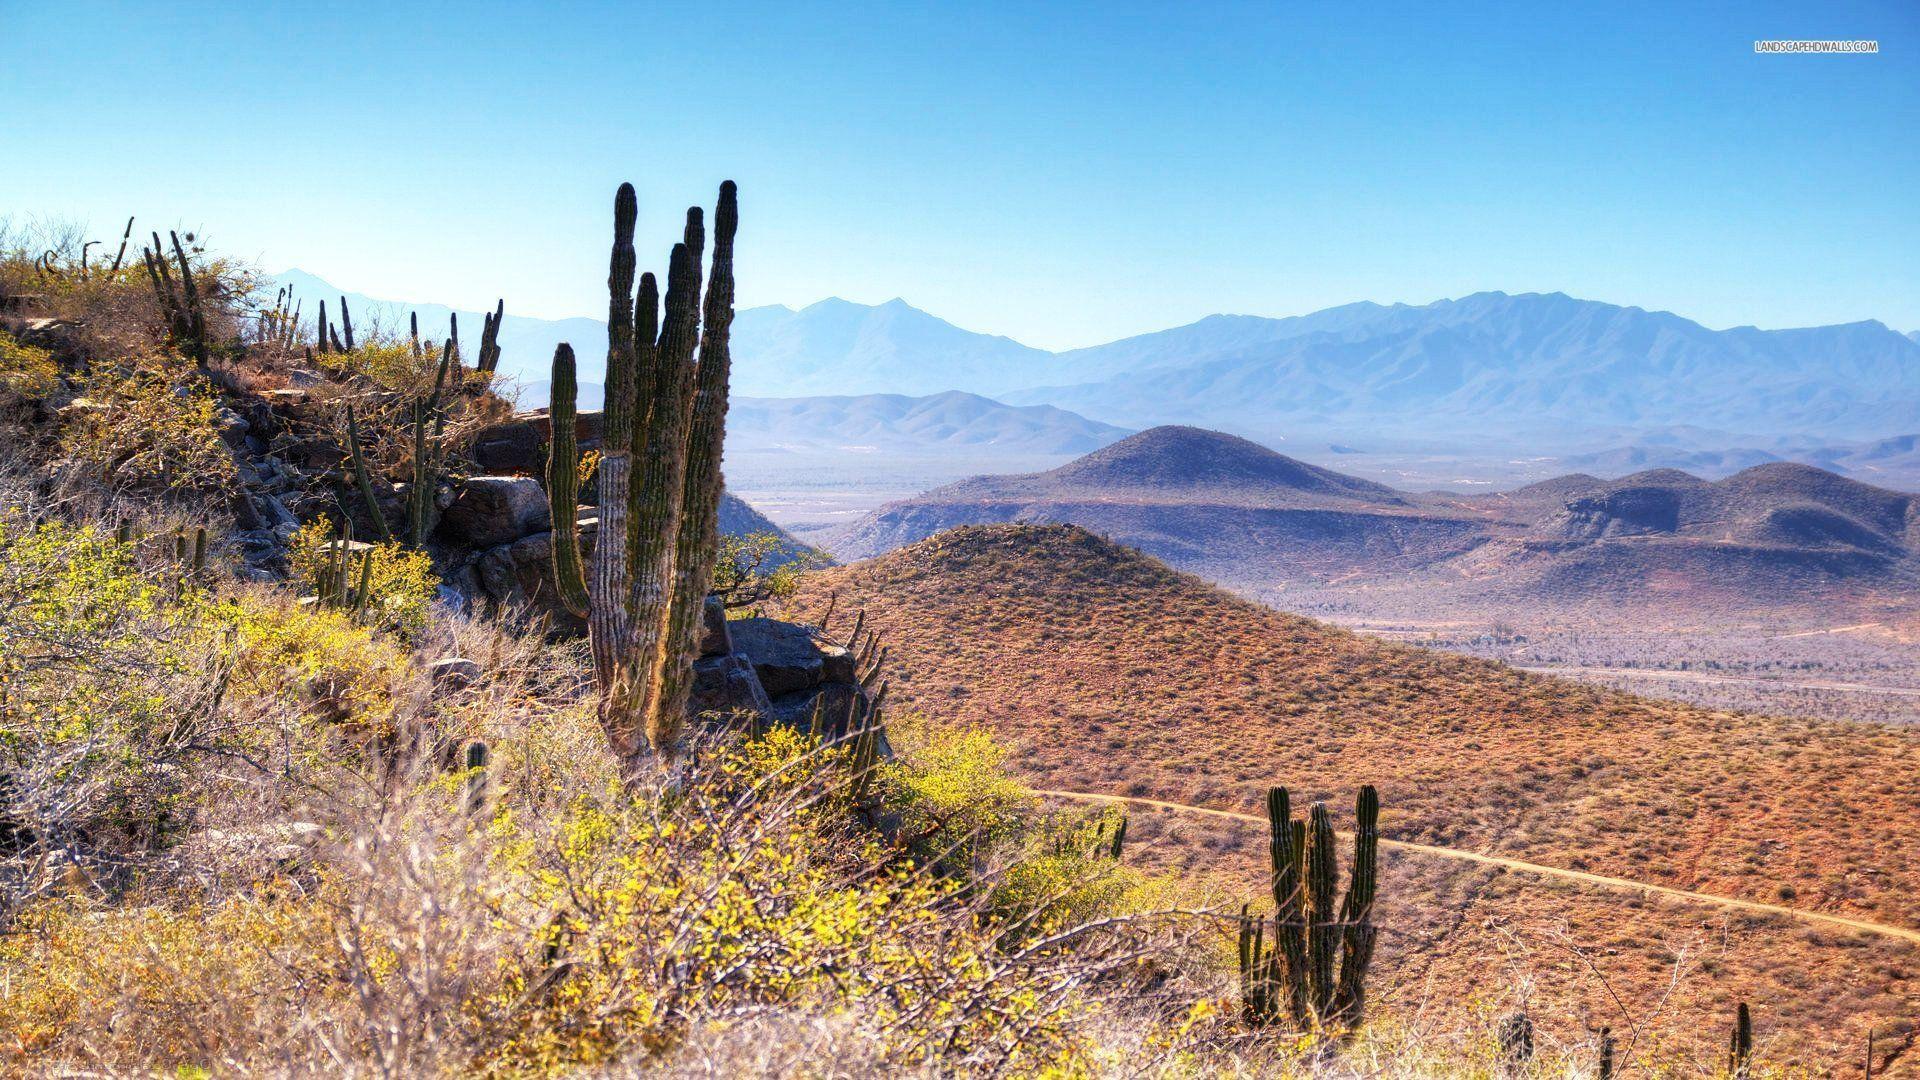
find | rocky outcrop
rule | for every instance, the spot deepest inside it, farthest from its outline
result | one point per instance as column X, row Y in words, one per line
column 784, row 671
column 488, row 511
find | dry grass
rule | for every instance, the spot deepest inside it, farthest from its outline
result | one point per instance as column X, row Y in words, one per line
column 1111, row 673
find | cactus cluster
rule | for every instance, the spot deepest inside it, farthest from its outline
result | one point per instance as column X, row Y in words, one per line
column 428, row 420
column 429, row 450
column 186, row 318
column 659, row 478
column 1312, row 972
column 337, row 587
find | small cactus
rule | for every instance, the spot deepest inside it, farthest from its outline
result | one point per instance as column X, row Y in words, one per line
column 489, row 357
column 346, row 323
column 1740, row 1045
column 477, row 757
column 1314, row 971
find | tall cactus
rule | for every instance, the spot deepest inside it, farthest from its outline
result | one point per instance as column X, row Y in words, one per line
column 1313, row 972
column 363, row 479
column 652, row 559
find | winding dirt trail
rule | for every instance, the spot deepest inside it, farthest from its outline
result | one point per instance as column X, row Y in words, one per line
column 1755, row 906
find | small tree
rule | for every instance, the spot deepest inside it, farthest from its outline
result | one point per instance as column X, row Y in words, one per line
column 758, row 567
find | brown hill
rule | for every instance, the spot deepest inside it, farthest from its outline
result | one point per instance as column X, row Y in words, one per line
column 1111, row 673
column 1213, row 503
column 1775, row 538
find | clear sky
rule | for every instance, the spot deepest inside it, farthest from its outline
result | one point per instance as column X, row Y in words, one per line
column 1063, row 174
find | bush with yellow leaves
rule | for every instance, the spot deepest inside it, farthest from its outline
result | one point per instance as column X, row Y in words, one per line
column 149, row 429
column 401, row 585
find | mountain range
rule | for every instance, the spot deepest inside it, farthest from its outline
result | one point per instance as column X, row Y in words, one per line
column 1544, row 372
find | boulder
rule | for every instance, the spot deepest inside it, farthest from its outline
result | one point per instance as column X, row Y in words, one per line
column 833, row 699
column 714, row 638
column 454, row 672
column 726, row 684
column 787, row 656
column 519, row 445
column 490, row 510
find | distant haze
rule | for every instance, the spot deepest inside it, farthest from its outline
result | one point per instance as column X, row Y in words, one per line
column 1542, row 368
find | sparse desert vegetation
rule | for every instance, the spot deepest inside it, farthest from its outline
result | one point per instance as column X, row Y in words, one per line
column 1109, row 673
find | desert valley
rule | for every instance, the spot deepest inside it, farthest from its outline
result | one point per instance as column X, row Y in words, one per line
column 1385, row 543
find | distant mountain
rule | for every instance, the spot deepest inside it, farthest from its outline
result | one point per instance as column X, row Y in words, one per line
column 1775, row 536
column 1541, row 365
column 1188, row 465
column 1545, row 370
column 839, row 347
column 949, row 421
column 526, row 344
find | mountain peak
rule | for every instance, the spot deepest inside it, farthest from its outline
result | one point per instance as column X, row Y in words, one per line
column 1176, row 461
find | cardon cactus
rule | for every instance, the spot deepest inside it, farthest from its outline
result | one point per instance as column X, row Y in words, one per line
column 490, row 339
column 1313, row 971
column 666, row 404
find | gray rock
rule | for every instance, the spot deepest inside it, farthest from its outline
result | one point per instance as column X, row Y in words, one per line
column 491, row 510
column 454, row 672
column 519, row 445
column 304, row 377
column 726, row 684
column 494, row 568
column 714, row 638
column 796, row 710
column 785, row 654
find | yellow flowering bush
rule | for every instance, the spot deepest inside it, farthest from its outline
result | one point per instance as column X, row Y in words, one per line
column 26, row 372
column 401, row 585
column 150, row 430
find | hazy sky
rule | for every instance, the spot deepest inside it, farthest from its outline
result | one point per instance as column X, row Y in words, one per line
column 1061, row 174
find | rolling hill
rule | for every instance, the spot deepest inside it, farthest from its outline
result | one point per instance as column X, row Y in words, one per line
column 1206, row 501
column 1104, row 671
column 1768, row 538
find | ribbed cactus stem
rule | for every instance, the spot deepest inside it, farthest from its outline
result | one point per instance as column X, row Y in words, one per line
column 346, row 323
column 563, row 484
column 696, row 548
column 477, row 757
column 1356, row 913
column 365, row 591
column 363, row 479
column 1740, row 1044
column 320, row 328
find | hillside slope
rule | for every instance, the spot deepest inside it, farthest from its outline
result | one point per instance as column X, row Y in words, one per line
column 1108, row 672
column 1078, row 648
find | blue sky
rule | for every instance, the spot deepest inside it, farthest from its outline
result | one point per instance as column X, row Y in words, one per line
column 1061, row 174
